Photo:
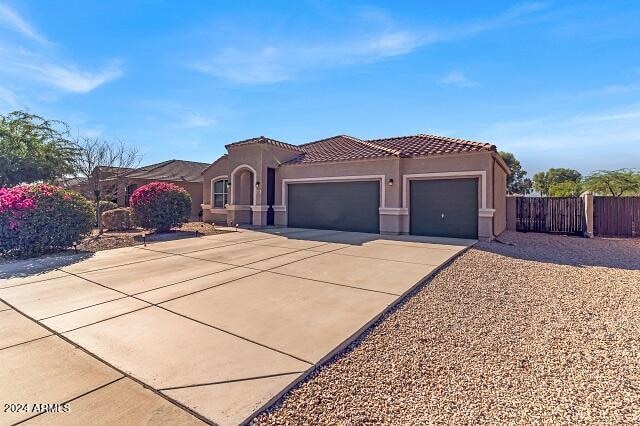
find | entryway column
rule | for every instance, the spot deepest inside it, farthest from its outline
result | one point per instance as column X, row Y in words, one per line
column 259, row 214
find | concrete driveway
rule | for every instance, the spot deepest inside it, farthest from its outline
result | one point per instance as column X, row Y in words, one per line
column 220, row 325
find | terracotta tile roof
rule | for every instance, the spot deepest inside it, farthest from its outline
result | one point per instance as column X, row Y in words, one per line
column 171, row 170
column 421, row 145
column 337, row 148
column 265, row 140
column 345, row 148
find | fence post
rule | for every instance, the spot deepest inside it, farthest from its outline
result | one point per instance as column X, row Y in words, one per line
column 511, row 212
column 588, row 213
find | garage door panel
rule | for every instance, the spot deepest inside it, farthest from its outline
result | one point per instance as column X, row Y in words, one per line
column 343, row 206
column 444, row 208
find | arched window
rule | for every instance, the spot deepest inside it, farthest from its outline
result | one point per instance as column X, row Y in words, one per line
column 220, row 193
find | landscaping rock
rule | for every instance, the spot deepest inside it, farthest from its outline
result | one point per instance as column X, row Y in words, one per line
column 542, row 332
column 119, row 219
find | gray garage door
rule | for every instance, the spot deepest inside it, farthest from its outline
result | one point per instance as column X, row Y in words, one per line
column 444, row 208
column 343, row 206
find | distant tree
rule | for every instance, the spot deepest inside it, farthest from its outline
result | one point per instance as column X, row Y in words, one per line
column 102, row 165
column 543, row 181
column 517, row 182
column 614, row 182
column 568, row 188
column 33, row 149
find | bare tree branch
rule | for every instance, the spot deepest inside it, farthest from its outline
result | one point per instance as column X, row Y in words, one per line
column 103, row 165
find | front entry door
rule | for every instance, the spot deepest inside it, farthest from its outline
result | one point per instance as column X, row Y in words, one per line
column 271, row 194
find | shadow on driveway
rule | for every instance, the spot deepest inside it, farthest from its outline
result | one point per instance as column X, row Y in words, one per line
column 18, row 268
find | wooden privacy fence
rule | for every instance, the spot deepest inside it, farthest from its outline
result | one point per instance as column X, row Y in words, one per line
column 564, row 215
column 616, row 216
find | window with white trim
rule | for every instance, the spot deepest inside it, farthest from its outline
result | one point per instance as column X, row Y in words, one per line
column 219, row 193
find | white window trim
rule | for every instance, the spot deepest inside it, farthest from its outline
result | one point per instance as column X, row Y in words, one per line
column 482, row 174
column 381, row 178
column 214, row 180
column 253, row 184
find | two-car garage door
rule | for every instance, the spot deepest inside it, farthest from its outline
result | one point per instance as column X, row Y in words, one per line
column 443, row 207
column 343, row 206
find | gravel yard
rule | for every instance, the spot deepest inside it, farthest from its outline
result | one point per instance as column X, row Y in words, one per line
column 545, row 331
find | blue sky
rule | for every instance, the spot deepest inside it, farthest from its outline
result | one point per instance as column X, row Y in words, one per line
column 557, row 83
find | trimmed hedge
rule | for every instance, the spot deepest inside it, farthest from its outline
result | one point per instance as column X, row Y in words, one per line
column 105, row 205
column 160, row 205
column 39, row 218
column 119, row 219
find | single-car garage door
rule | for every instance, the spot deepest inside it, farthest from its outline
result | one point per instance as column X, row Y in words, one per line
column 444, row 208
column 343, row 206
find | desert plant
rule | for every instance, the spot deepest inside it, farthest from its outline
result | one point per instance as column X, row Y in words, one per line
column 118, row 219
column 39, row 218
column 160, row 205
column 105, row 205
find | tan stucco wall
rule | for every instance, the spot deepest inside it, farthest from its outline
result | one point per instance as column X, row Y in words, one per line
column 396, row 169
column 219, row 169
column 193, row 188
column 383, row 167
column 394, row 216
column 500, row 199
column 259, row 157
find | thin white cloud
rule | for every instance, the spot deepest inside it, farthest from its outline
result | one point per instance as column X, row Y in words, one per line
column 12, row 20
column 456, row 78
column 196, row 120
column 8, row 99
column 265, row 63
column 71, row 79
column 573, row 131
column 606, row 139
column 41, row 63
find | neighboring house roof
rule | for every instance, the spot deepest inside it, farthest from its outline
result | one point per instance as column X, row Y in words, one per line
column 172, row 170
column 110, row 170
column 71, row 181
column 265, row 140
column 344, row 148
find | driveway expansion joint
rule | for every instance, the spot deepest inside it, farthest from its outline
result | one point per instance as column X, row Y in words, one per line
column 75, row 398
column 108, row 364
column 25, row 342
column 222, row 382
column 352, row 331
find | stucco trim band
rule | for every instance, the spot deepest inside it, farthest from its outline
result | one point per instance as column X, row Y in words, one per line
column 393, row 211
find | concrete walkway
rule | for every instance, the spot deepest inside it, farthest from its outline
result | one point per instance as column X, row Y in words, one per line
column 219, row 325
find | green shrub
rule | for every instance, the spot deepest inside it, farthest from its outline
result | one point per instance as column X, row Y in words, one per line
column 160, row 205
column 105, row 205
column 39, row 218
column 118, row 219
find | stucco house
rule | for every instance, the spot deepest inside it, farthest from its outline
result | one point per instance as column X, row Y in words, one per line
column 421, row 185
column 186, row 174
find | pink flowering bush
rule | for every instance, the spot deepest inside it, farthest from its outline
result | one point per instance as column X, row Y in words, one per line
column 35, row 219
column 160, row 205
